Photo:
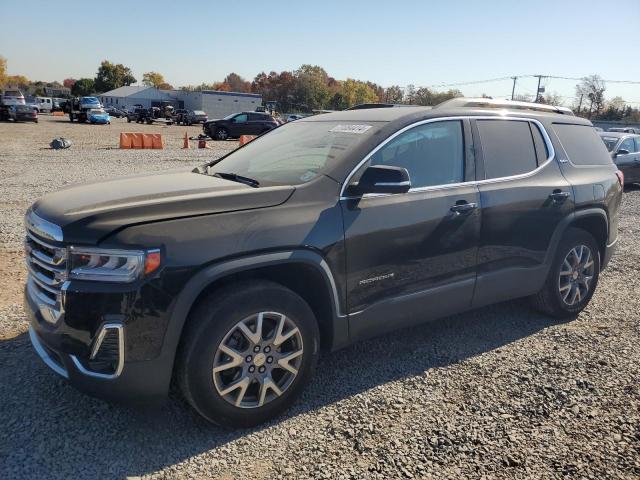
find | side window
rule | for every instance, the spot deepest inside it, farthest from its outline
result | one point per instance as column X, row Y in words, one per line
column 507, row 147
column 432, row 153
column 637, row 144
column 240, row 118
column 582, row 144
column 627, row 145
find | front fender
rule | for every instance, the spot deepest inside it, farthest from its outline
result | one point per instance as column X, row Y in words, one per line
column 205, row 277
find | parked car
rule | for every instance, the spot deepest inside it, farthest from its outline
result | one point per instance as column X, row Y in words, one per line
column 625, row 151
column 236, row 124
column 190, row 117
column 23, row 113
column 115, row 112
column 230, row 278
column 137, row 114
column 98, row 116
column 9, row 98
column 294, row 117
column 624, row 130
column 44, row 104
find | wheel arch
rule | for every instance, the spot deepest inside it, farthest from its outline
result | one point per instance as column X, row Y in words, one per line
column 593, row 220
column 303, row 271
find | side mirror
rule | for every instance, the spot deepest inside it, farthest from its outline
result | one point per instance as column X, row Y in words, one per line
column 382, row 179
column 622, row 151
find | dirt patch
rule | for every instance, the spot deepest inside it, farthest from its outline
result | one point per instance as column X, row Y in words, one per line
column 13, row 273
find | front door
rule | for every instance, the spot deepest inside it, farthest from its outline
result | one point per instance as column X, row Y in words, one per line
column 238, row 125
column 412, row 256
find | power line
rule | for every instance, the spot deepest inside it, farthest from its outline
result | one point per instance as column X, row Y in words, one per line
column 498, row 79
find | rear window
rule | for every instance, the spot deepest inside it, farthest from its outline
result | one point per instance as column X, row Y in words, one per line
column 12, row 93
column 199, row 112
column 507, row 147
column 582, row 144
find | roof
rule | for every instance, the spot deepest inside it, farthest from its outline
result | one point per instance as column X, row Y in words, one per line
column 234, row 94
column 126, row 91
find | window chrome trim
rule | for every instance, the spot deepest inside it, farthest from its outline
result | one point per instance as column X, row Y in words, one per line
column 547, row 140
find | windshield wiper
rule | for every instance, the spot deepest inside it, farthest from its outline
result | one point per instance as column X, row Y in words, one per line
column 234, row 177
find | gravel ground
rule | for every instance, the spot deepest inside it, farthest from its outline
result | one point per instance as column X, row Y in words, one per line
column 502, row 392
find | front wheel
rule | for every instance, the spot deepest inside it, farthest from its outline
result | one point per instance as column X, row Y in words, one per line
column 248, row 352
column 221, row 134
column 573, row 277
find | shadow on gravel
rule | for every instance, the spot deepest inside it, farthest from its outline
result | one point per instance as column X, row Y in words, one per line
column 51, row 431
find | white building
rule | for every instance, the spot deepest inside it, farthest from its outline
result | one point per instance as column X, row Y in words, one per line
column 217, row 104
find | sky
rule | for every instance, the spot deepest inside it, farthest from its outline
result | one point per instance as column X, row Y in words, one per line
column 423, row 43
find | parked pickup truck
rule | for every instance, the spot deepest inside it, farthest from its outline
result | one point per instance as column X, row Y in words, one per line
column 79, row 108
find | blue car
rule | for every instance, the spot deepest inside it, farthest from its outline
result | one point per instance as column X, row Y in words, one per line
column 98, row 115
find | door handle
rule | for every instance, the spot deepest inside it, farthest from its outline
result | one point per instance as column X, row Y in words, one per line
column 559, row 196
column 463, row 207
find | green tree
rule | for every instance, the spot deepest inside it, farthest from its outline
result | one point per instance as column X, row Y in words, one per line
column 355, row 92
column 83, row 87
column 393, row 94
column 312, row 87
column 152, row 79
column 111, row 76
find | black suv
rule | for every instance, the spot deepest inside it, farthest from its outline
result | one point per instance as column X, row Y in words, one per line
column 236, row 124
column 230, row 278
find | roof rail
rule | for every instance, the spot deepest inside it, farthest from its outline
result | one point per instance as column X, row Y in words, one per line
column 510, row 104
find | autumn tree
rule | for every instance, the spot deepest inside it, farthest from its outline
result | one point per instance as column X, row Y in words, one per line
column 236, row 83
column 111, row 76
column 3, row 71
column 393, row 94
column 152, row 79
column 68, row 82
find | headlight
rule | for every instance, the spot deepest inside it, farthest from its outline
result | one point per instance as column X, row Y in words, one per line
column 106, row 265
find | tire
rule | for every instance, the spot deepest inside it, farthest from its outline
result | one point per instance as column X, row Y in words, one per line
column 128, row 120
column 221, row 134
column 557, row 297
column 214, row 321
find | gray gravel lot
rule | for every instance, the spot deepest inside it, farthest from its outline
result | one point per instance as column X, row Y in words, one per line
column 502, row 392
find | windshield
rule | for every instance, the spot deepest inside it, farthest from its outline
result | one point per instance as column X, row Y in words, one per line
column 89, row 100
column 294, row 153
column 610, row 142
column 97, row 111
column 12, row 93
column 199, row 112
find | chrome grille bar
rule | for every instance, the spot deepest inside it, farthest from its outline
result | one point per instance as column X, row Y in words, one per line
column 46, row 265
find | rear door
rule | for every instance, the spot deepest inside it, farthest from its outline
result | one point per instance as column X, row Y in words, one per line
column 524, row 197
column 411, row 257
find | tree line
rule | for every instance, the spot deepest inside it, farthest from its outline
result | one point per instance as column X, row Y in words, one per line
column 310, row 88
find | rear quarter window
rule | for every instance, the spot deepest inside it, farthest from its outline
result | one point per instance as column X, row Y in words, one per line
column 582, row 144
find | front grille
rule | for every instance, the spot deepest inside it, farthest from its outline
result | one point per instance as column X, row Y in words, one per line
column 47, row 272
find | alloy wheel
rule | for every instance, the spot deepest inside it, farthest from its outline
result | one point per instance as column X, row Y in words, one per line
column 576, row 274
column 258, row 360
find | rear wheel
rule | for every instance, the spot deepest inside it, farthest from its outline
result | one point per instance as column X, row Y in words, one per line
column 573, row 276
column 248, row 352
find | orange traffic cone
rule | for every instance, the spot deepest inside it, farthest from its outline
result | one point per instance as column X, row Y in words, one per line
column 186, row 141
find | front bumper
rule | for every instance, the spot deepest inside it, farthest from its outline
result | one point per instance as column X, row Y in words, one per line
column 69, row 349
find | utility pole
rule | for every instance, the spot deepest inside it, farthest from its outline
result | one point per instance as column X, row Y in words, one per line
column 538, row 89
column 580, row 103
column 513, row 90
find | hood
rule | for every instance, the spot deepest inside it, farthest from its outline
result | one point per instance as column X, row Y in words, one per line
column 87, row 213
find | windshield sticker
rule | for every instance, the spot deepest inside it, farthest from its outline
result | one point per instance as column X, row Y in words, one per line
column 350, row 128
